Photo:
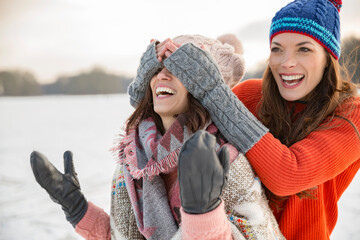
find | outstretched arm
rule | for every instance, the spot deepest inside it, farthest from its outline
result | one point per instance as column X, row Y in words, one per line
column 63, row 188
column 201, row 76
column 89, row 221
column 149, row 65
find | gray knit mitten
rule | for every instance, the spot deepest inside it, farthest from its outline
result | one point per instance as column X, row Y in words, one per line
column 149, row 65
column 202, row 78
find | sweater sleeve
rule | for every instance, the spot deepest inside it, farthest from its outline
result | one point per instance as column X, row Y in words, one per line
column 321, row 156
column 202, row 78
column 211, row 225
column 95, row 225
column 246, row 204
column 248, row 215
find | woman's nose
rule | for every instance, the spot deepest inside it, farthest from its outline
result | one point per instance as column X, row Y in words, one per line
column 164, row 74
column 289, row 60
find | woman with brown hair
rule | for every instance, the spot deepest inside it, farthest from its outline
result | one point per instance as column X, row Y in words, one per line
column 161, row 189
column 299, row 125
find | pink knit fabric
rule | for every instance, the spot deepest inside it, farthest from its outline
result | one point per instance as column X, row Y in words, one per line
column 95, row 225
column 211, row 225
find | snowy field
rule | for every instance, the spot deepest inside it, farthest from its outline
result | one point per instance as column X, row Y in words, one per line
column 87, row 125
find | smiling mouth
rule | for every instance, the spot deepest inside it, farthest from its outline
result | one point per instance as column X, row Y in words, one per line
column 291, row 80
column 164, row 91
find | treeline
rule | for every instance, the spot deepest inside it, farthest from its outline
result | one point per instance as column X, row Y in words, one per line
column 98, row 81
column 95, row 81
column 18, row 83
column 349, row 60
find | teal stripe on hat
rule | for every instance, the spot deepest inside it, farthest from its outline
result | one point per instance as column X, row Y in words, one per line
column 309, row 27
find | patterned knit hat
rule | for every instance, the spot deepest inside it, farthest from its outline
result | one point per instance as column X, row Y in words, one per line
column 318, row 19
column 227, row 52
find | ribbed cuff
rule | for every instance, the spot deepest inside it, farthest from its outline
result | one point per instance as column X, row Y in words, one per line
column 90, row 218
column 78, row 212
column 149, row 65
column 210, row 225
column 201, row 76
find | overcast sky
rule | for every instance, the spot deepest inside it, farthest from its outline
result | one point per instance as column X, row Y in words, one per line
column 52, row 37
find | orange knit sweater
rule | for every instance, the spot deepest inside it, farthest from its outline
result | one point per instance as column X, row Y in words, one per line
column 327, row 159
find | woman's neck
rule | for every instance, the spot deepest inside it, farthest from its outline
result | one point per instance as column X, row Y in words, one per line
column 167, row 122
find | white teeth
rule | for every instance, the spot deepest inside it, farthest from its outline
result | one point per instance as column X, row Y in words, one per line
column 161, row 90
column 291, row 77
column 291, row 83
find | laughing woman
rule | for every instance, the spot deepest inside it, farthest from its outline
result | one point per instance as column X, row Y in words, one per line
column 161, row 189
column 299, row 125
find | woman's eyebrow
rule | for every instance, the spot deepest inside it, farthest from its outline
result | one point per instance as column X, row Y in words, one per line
column 276, row 43
column 303, row 43
column 298, row 44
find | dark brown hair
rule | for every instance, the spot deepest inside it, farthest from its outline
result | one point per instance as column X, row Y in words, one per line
column 275, row 114
column 195, row 118
column 322, row 102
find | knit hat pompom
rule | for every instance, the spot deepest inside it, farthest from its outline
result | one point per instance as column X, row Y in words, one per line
column 226, row 51
column 337, row 4
column 318, row 19
column 233, row 41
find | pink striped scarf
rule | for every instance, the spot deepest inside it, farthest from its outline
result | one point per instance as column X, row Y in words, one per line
column 160, row 152
column 145, row 153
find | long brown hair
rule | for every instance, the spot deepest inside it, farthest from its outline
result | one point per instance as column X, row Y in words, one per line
column 196, row 117
column 274, row 111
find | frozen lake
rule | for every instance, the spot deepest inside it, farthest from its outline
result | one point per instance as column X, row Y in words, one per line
column 86, row 125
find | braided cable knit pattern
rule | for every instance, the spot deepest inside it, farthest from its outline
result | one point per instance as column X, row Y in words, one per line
column 149, row 65
column 295, row 8
column 321, row 11
column 201, row 76
column 337, row 29
column 95, row 224
column 318, row 19
column 230, row 63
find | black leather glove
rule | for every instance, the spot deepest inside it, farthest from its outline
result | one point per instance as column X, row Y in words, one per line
column 202, row 173
column 63, row 189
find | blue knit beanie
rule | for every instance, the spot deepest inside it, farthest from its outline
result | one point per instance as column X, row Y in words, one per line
column 318, row 19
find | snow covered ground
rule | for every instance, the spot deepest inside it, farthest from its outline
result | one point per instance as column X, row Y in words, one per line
column 87, row 125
